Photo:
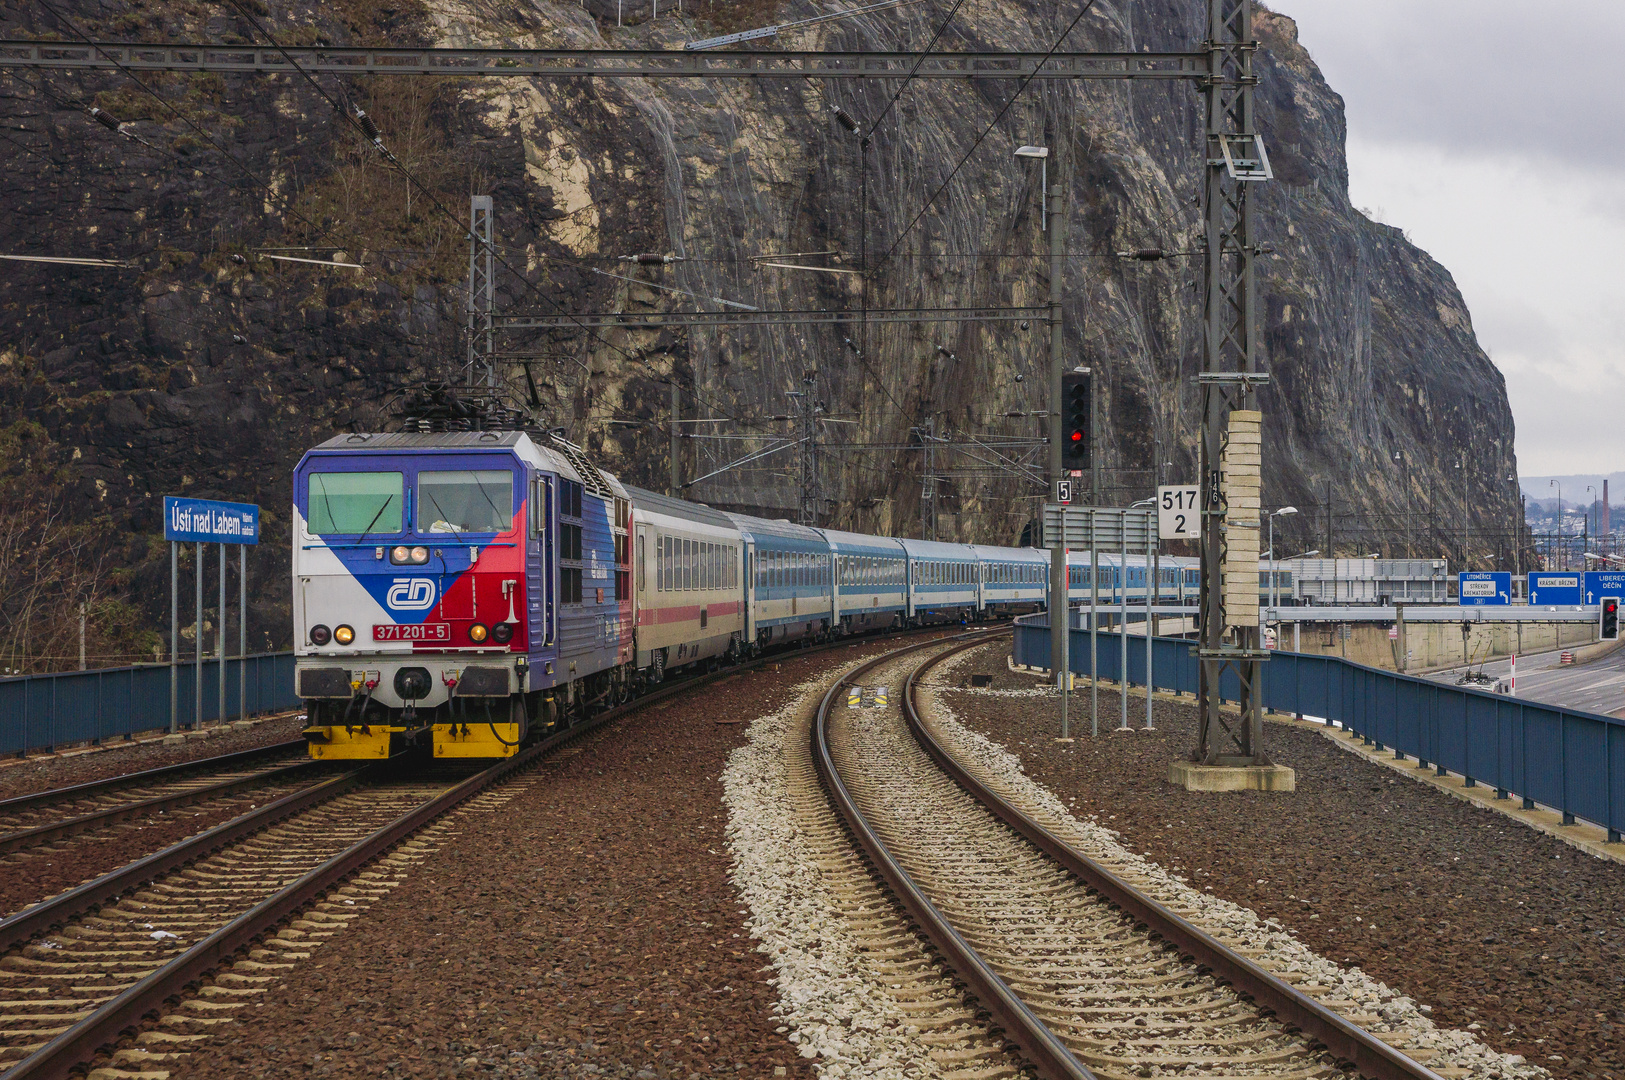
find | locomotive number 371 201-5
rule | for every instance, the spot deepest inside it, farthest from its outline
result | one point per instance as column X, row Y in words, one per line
column 433, row 631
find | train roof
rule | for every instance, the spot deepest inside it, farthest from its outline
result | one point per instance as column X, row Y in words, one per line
column 643, row 499
column 935, row 549
column 415, row 440
column 784, row 530
column 851, row 541
column 1010, row 554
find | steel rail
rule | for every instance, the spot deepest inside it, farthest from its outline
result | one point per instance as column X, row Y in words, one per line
column 62, row 1055
column 48, row 915
column 599, row 63
column 1371, row 1057
column 1041, row 1046
column 96, row 819
column 164, row 772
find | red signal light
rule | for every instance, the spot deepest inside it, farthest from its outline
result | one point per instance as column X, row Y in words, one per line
column 1077, row 436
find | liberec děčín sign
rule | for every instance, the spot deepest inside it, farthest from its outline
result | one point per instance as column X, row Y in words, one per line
column 208, row 522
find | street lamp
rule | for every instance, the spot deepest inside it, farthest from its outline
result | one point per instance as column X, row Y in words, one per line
column 1585, row 521
column 1562, row 555
column 1042, row 154
column 1461, row 463
column 1399, row 456
column 1284, row 511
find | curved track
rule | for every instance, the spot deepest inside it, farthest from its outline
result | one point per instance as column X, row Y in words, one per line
column 1086, row 973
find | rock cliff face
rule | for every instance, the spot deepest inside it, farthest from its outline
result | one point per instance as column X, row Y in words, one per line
column 195, row 373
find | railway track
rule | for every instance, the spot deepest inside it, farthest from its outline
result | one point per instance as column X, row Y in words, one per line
column 79, row 971
column 27, row 821
column 1085, row 971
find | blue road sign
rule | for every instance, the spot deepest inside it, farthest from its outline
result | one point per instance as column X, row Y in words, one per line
column 1556, row 589
column 1601, row 583
column 1484, row 588
column 210, row 522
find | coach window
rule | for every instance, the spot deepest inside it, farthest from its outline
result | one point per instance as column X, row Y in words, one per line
column 641, row 581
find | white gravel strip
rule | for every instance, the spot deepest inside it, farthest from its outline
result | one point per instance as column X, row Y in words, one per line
column 1232, row 923
column 833, row 1013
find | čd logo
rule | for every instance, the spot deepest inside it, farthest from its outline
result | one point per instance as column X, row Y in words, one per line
column 411, row 594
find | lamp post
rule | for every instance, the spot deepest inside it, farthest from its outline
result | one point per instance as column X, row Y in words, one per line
column 1042, row 154
column 1585, row 522
column 1284, row 511
column 1461, row 463
column 1562, row 559
column 1399, row 456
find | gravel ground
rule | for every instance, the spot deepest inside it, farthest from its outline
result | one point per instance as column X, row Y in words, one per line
column 588, row 929
column 1504, row 931
column 28, row 775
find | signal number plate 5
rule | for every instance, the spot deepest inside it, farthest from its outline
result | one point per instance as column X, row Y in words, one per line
column 433, row 631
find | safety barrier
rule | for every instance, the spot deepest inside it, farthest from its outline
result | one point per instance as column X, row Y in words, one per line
column 42, row 712
column 1567, row 759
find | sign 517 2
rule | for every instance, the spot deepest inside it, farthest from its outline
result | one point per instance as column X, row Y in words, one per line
column 1178, row 512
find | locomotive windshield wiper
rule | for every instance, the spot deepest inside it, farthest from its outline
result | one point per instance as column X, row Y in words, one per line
column 381, row 508
column 455, row 531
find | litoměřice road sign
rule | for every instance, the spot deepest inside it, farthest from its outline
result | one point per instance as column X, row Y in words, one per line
column 1484, row 588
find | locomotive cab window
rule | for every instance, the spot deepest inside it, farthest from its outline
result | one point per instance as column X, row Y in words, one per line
column 356, row 503
column 465, row 501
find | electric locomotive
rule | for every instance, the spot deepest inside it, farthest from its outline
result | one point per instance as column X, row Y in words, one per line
column 455, row 590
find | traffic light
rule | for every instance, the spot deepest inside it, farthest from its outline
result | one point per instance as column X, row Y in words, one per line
column 1610, row 618
column 1075, row 420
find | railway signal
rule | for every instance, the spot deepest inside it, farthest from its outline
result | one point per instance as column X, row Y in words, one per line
column 1075, row 420
column 1610, row 618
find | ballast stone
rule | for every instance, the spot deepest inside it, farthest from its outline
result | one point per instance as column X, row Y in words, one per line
column 1193, row 777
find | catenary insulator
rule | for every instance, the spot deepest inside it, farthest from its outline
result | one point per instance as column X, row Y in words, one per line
column 367, row 124
column 239, row 260
column 1149, row 254
column 844, row 118
column 103, row 119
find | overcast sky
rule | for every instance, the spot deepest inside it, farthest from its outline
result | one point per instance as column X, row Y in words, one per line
column 1493, row 132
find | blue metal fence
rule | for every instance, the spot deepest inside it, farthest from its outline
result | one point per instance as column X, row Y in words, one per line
column 39, row 712
column 1567, row 759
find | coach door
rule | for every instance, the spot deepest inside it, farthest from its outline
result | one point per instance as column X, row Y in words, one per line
column 750, row 591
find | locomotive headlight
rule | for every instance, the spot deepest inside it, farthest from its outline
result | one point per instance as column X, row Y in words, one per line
column 400, row 555
column 502, row 633
column 477, row 632
column 420, row 555
column 344, row 635
column 320, row 635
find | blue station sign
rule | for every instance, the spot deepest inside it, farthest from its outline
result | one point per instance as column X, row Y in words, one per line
column 1484, row 588
column 1559, row 589
column 209, row 522
column 1601, row 583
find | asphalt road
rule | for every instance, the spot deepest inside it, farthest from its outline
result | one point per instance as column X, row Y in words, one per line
column 1595, row 687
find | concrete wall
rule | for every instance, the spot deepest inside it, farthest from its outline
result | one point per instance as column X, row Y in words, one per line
column 1435, row 645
